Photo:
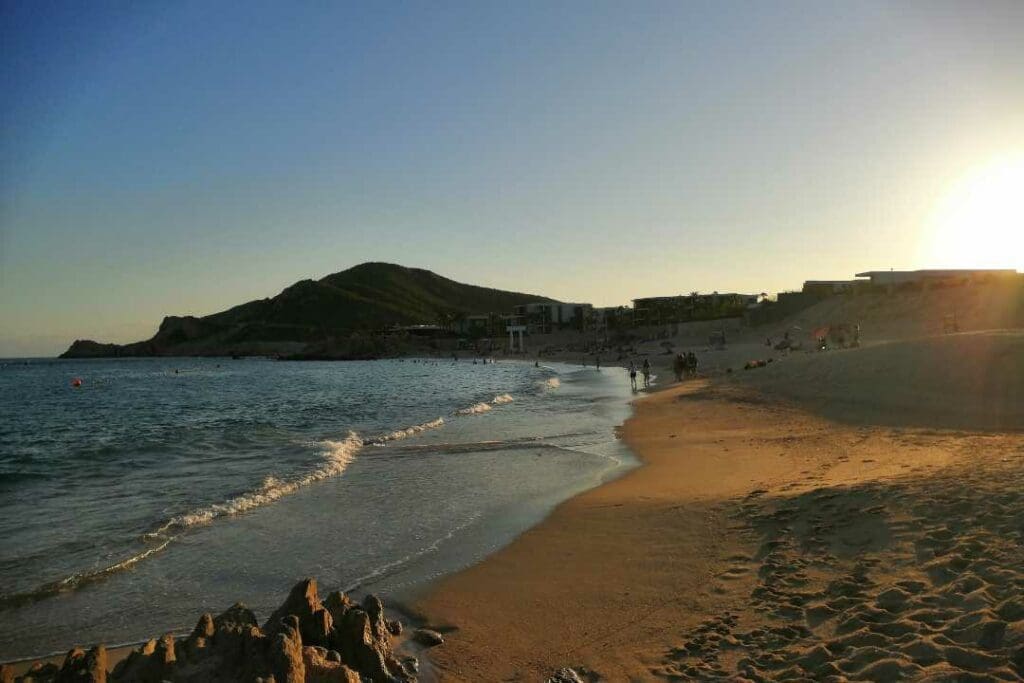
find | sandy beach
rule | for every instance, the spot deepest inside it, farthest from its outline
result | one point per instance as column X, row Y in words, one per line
column 848, row 515
column 851, row 515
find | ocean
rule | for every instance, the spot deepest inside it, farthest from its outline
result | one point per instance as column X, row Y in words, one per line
column 163, row 488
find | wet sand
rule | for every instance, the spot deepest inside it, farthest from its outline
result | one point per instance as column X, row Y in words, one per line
column 765, row 541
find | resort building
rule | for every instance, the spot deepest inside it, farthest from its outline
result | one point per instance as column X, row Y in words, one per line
column 611, row 318
column 547, row 317
column 666, row 310
column 483, row 325
column 926, row 278
column 827, row 288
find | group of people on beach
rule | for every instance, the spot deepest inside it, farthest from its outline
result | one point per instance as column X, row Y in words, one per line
column 684, row 364
column 645, row 369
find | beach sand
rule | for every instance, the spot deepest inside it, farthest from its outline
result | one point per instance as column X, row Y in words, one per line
column 856, row 514
column 849, row 515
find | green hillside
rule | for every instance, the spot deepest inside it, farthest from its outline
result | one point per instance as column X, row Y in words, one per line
column 363, row 299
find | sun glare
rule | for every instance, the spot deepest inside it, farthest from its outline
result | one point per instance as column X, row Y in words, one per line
column 980, row 223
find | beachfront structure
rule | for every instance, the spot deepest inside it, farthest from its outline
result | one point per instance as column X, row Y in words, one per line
column 827, row 288
column 482, row 325
column 421, row 330
column 515, row 334
column 547, row 317
column 666, row 310
column 926, row 278
column 605, row 318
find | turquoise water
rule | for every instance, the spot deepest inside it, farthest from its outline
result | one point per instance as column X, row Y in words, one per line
column 162, row 488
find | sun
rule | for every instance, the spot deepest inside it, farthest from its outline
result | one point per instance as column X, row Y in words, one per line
column 980, row 223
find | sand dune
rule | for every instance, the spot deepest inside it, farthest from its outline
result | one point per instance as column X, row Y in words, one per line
column 907, row 314
column 964, row 381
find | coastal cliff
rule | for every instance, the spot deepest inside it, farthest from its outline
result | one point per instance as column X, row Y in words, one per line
column 331, row 317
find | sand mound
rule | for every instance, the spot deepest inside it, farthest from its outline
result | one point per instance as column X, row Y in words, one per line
column 906, row 314
column 959, row 381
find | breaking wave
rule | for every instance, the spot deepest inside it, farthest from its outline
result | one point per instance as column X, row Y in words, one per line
column 79, row 578
column 482, row 407
column 404, row 433
column 475, row 409
column 337, row 456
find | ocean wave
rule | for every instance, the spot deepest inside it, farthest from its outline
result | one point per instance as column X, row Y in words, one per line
column 337, row 456
column 79, row 579
column 404, row 433
column 484, row 407
column 475, row 409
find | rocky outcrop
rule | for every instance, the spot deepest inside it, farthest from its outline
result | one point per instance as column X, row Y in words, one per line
column 87, row 348
column 306, row 640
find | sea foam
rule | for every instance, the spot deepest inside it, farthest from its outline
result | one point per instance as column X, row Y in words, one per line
column 336, row 457
column 399, row 434
column 483, row 407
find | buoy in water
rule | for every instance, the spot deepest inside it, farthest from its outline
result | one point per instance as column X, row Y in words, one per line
column 76, row 382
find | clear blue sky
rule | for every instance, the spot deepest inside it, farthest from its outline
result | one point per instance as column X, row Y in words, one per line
column 182, row 157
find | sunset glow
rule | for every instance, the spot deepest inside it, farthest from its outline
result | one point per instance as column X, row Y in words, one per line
column 980, row 223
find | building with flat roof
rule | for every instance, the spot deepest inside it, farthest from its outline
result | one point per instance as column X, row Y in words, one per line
column 546, row 317
column 826, row 288
column 947, row 276
column 667, row 310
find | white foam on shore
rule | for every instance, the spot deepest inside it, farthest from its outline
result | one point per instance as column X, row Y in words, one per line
column 81, row 578
column 400, row 562
column 475, row 409
column 337, row 456
column 482, row 407
column 551, row 383
column 399, row 434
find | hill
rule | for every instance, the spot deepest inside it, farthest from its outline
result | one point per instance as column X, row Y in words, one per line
column 915, row 313
column 968, row 380
column 317, row 316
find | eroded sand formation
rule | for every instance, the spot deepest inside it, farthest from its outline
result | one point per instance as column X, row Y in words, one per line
column 304, row 640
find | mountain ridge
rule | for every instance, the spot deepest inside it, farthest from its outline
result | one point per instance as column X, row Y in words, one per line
column 313, row 315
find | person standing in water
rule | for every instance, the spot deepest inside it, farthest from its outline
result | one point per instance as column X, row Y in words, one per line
column 598, row 363
column 632, row 375
column 646, row 368
column 679, row 366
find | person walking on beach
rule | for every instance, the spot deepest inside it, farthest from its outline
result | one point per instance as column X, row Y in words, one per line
column 679, row 366
column 647, row 373
column 632, row 375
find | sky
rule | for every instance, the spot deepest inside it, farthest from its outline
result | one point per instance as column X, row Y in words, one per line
column 180, row 158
